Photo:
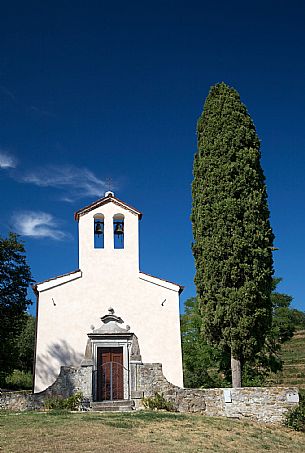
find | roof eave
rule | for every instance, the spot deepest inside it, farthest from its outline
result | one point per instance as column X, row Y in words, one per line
column 103, row 201
column 181, row 288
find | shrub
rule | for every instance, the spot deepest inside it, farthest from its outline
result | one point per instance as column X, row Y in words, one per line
column 54, row 403
column 74, row 401
column 295, row 418
column 71, row 403
column 19, row 380
column 157, row 402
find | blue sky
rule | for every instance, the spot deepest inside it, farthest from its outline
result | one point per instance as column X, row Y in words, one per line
column 92, row 92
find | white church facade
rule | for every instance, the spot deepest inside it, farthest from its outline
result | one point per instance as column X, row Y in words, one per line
column 107, row 314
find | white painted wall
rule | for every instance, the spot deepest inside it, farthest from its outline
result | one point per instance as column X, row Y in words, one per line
column 69, row 305
column 109, row 259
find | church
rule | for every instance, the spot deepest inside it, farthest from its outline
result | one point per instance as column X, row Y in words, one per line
column 107, row 314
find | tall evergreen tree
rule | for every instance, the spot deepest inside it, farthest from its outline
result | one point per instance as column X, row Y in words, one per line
column 232, row 235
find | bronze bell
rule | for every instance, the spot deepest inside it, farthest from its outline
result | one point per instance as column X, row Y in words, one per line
column 119, row 229
column 98, row 228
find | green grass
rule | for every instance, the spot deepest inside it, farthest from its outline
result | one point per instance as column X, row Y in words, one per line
column 140, row 432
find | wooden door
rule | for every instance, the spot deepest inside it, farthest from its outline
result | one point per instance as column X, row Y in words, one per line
column 110, row 371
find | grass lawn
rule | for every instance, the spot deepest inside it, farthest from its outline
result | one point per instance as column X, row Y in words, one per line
column 140, row 432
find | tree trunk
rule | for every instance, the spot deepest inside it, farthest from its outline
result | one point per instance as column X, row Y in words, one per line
column 236, row 372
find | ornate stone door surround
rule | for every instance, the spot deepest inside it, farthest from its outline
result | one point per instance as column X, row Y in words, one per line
column 110, row 335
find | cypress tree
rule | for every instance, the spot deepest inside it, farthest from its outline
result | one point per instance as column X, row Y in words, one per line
column 233, row 239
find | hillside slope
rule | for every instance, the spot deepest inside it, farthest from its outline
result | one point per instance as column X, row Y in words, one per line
column 293, row 355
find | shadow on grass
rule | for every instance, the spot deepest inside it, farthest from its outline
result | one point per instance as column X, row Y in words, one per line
column 59, row 412
column 131, row 419
column 157, row 415
column 125, row 424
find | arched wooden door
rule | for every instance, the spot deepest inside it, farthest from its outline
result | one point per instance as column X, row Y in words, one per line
column 110, row 374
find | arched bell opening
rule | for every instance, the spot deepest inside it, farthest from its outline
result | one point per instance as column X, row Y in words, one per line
column 98, row 231
column 118, row 231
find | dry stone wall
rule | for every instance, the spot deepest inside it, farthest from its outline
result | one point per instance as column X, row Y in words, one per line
column 19, row 401
column 263, row 404
column 69, row 381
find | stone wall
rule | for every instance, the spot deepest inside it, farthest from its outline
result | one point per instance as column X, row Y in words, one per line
column 263, row 404
column 69, row 381
column 19, row 401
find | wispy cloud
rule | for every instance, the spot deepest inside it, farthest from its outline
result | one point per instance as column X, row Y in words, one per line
column 38, row 225
column 11, row 96
column 76, row 182
column 7, row 160
column 41, row 112
column 8, row 93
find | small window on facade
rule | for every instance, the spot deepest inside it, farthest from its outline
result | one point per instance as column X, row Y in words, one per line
column 99, row 232
column 118, row 231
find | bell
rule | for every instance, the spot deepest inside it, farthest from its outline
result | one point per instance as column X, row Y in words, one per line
column 98, row 228
column 119, row 229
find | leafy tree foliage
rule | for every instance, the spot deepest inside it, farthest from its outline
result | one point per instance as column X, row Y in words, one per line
column 283, row 326
column 283, row 322
column 232, row 235
column 298, row 319
column 206, row 366
column 25, row 345
column 15, row 276
column 200, row 360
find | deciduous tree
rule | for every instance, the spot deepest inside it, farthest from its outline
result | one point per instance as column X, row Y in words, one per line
column 201, row 361
column 15, row 276
column 25, row 345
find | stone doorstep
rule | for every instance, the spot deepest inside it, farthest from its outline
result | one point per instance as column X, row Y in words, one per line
column 112, row 406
